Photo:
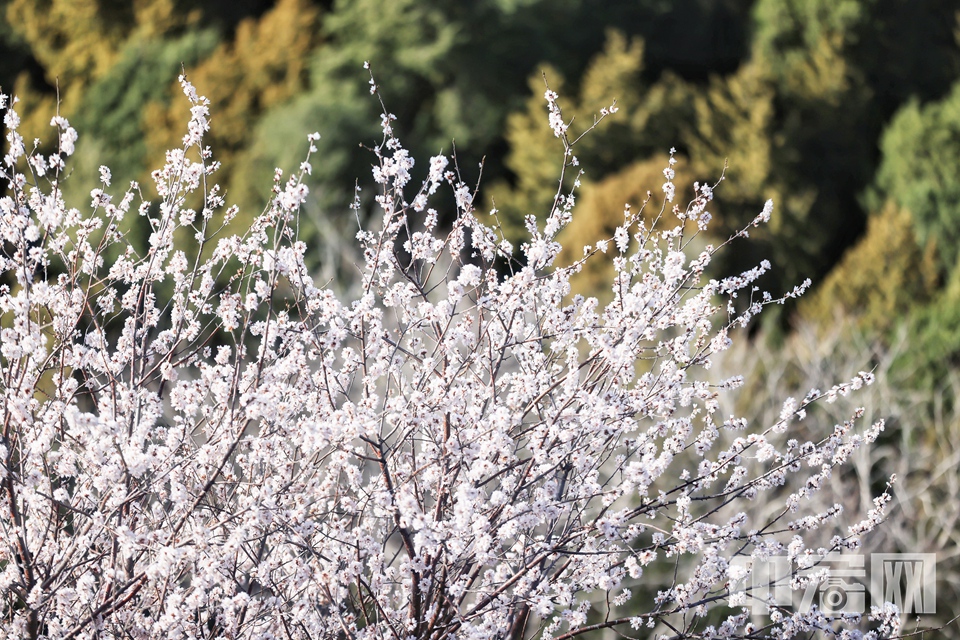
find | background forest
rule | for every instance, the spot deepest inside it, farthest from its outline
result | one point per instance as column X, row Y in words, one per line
column 845, row 112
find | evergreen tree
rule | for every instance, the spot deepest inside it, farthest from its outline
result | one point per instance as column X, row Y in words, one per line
column 921, row 152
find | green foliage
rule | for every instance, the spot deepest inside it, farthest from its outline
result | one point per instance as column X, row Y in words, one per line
column 74, row 40
column 734, row 132
column 409, row 43
column 535, row 157
column 803, row 42
column 771, row 128
column 129, row 106
column 77, row 42
column 14, row 51
column 921, row 153
column 113, row 111
column 933, row 335
column 797, row 123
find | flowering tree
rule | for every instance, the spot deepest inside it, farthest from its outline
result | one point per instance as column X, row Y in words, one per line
column 200, row 442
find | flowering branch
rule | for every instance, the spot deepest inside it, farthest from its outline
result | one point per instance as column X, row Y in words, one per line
column 213, row 446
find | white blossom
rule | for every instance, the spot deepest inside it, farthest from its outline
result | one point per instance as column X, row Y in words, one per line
column 212, row 444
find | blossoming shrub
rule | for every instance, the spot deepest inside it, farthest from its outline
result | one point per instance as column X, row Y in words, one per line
column 920, row 443
column 200, row 442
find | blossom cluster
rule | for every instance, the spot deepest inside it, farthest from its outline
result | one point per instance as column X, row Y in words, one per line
column 199, row 441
